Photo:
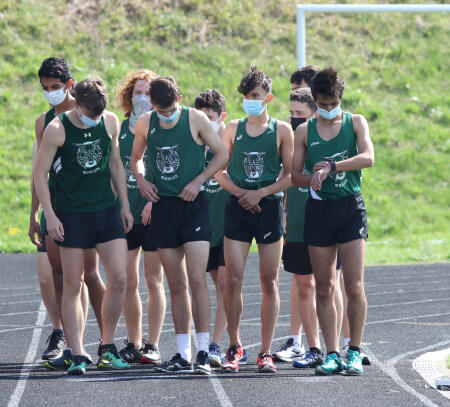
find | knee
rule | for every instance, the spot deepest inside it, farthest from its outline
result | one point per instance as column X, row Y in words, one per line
column 269, row 286
column 72, row 286
column 354, row 290
column 178, row 288
column 45, row 279
column 306, row 289
column 221, row 285
column 118, row 281
column 325, row 291
column 233, row 282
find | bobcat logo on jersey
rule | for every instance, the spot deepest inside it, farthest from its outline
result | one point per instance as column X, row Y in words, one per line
column 254, row 164
column 128, row 172
column 167, row 159
column 337, row 175
column 89, row 154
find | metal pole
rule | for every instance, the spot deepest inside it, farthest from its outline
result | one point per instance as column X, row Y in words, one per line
column 301, row 37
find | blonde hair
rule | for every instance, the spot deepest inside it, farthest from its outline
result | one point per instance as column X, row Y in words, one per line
column 126, row 86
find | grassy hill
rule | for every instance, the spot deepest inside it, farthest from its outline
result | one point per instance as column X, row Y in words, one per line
column 395, row 67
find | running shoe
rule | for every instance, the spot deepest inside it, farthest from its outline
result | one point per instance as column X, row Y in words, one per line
column 215, row 357
column 109, row 352
column 103, row 364
column 130, row 354
column 354, row 363
column 243, row 359
column 78, row 366
column 234, row 354
column 332, row 365
column 175, row 365
column 365, row 360
column 309, row 359
column 202, row 364
column 150, row 354
column 61, row 363
column 56, row 344
column 265, row 363
column 289, row 351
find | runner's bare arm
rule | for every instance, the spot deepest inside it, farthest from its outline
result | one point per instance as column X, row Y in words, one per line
column 202, row 126
column 34, row 228
column 54, row 137
column 366, row 156
column 146, row 188
column 298, row 159
column 117, row 171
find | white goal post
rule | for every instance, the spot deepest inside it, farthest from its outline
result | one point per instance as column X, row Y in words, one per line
column 360, row 8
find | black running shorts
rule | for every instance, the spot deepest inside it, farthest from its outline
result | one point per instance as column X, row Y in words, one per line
column 243, row 226
column 86, row 230
column 216, row 258
column 141, row 236
column 175, row 221
column 333, row 221
column 296, row 258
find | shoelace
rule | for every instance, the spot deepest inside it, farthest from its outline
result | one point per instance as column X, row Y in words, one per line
column 148, row 346
column 287, row 345
column 53, row 340
column 266, row 357
column 231, row 352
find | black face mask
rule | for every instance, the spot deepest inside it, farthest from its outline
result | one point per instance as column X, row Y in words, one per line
column 296, row 121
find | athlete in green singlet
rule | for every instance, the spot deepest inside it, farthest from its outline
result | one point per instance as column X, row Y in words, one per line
column 134, row 99
column 329, row 154
column 84, row 213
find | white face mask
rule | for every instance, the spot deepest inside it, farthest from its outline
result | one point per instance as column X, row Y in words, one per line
column 56, row 97
column 215, row 126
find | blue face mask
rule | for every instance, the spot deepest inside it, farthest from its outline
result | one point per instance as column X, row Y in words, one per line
column 169, row 119
column 253, row 107
column 87, row 121
column 329, row 115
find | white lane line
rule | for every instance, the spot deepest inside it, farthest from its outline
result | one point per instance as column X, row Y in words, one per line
column 115, row 378
column 390, row 370
column 18, row 288
column 11, row 314
column 25, row 372
column 18, row 302
column 395, row 359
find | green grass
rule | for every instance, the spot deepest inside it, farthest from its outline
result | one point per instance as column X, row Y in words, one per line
column 395, row 67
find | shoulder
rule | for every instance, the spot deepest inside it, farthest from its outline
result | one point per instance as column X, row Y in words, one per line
column 359, row 122
column 110, row 116
column 197, row 115
column 233, row 124
column 284, row 129
column 55, row 131
column 39, row 124
column 112, row 123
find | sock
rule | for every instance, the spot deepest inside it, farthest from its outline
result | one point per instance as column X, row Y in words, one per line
column 59, row 332
column 203, row 340
column 296, row 339
column 184, row 346
column 346, row 341
column 315, row 350
column 336, row 353
column 355, row 348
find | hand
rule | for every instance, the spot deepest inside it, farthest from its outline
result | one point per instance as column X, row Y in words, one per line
column 55, row 228
column 34, row 230
column 127, row 219
column 318, row 177
column 146, row 213
column 322, row 164
column 190, row 191
column 249, row 200
column 148, row 190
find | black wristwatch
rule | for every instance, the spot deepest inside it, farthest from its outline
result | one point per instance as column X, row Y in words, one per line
column 333, row 166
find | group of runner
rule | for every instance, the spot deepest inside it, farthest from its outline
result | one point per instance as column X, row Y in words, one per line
column 192, row 193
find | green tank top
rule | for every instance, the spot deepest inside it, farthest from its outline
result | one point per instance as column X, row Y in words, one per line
column 49, row 116
column 295, row 216
column 174, row 158
column 217, row 200
column 255, row 162
column 137, row 202
column 338, row 184
column 83, row 178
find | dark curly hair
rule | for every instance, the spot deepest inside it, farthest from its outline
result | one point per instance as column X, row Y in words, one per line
column 304, row 74
column 58, row 68
column 164, row 91
column 303, row 95
column 255, row 77
column 327, row 83
column 211, row 99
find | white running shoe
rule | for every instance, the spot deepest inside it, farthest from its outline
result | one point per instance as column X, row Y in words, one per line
column 289, row 352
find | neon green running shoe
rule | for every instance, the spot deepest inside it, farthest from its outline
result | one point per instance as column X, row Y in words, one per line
column 78, row 366
column 354, row 363
column 332, row 365
column 104, row 364
column 110, row 354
